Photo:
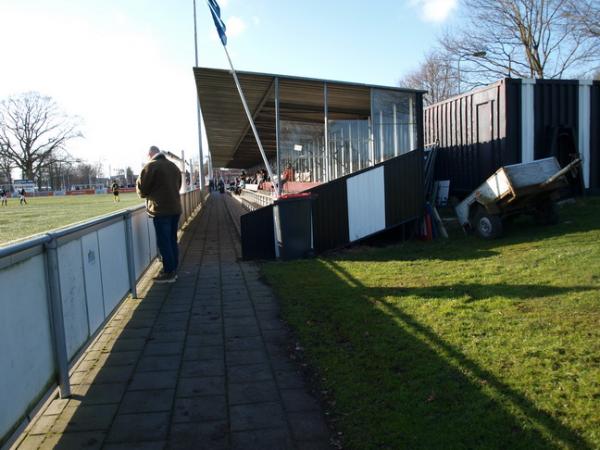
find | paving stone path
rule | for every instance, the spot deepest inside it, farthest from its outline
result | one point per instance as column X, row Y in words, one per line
column 198, row 364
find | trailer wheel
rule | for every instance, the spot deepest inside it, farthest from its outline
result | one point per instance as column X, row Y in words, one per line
column 488, row 226
column 546, row 213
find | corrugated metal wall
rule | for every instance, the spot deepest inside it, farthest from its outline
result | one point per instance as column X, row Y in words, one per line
column 595, row 138
column 556, row 110
column 512, row 121
column 474, row 135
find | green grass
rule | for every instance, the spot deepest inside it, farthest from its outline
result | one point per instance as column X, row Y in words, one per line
column 42, row 214
column 457, row 344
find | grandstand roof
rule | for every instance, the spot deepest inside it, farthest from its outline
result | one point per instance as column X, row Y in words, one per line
column 230, row 137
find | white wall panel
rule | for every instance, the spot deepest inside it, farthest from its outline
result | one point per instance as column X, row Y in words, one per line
column 72, row 290
column 141, row 242
column 93, row 280
column 527, row 120
column 366, row 203
column 113, row 260
column 26, row 357
column 585, row 106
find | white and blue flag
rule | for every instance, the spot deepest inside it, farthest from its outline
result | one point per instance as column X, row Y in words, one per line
column 216, row 15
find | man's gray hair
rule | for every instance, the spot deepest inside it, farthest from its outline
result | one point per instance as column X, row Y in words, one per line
column 154, row 149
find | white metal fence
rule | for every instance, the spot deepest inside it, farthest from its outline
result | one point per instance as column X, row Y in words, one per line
column 253, row 200
column 57, row 290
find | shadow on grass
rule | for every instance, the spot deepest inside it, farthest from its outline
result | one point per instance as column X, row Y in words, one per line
column 476, row 291
column 399, row 385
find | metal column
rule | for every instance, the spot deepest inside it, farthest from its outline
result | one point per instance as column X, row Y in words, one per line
column 350, row 147
column 198, row 108
column 59, row 339
column 326, row 154
column 381, row 139
column 396, row 149
column 130, row 254
column 277, row 117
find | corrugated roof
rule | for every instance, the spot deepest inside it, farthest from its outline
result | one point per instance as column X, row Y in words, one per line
column 230, row 137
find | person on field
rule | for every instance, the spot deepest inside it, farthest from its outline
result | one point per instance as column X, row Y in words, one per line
column 22, row 199
column 115, row 191
column 4, row 196
column 159, row 183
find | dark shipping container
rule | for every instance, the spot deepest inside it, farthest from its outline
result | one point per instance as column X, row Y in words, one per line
column 513, row 121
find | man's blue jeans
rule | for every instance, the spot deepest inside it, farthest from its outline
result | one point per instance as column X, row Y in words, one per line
column 166, row 240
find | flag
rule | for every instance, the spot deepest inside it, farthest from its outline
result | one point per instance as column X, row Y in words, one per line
column 216, row 15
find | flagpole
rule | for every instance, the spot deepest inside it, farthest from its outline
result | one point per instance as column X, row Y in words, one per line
column 243, row 98
column 201, row 167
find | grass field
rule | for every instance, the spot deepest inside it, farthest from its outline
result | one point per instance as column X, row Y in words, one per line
column 458, row 344
column 42, row 214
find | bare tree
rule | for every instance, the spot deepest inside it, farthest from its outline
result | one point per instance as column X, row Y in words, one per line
column 129, row 175
column 32, row 129
column 585, row 14
column 437, row 75
column 84, row 173
column 522, row 38
column 6, row 167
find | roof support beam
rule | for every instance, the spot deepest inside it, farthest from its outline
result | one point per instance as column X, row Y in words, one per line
column 256, row 112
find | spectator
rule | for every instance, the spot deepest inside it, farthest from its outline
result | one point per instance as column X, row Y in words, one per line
column 159, row 183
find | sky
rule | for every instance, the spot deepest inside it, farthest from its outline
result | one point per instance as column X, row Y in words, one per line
column 124, row 67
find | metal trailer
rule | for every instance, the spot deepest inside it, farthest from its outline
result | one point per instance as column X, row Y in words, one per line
column 530, row 188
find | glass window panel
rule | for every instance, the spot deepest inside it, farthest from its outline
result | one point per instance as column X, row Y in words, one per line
column 394, row 123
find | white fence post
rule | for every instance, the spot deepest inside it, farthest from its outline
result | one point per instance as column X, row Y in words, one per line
column 57, row 325
column 130, row 254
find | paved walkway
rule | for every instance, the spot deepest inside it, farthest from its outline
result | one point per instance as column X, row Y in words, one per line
column 198, row 364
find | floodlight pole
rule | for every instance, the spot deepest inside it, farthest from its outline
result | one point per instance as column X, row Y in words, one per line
column 251, row 120
column 201, row 167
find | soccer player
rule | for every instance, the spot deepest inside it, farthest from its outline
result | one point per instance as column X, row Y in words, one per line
column 22, row 199
column 4, row 196
column 115, row 191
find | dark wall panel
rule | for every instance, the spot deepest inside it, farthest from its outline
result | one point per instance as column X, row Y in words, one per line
column 330, row 215
column 556, row 111
column 595, row 138
column 257, row 230
column 472, row 133
column 404, row 196
column 512, row 119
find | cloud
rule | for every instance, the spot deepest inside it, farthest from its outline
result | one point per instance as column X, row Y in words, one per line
column 434, row 10
column 235, row 26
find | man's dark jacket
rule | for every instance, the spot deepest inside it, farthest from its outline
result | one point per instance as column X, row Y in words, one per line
column 159, row 184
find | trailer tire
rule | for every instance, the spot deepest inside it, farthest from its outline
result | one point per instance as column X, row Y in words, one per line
column 488, row 226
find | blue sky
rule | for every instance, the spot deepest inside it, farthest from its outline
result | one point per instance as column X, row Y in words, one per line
column 125, row 66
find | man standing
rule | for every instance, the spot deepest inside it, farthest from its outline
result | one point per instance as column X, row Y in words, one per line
column 159, row 183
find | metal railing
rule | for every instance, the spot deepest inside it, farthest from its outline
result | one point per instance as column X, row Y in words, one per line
column 253, row 200
column 57, row 291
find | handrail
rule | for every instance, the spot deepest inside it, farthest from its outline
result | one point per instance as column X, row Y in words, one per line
column 257, row 198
